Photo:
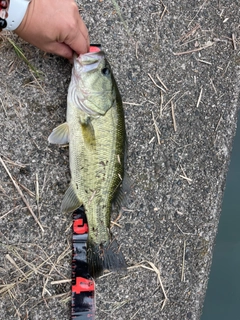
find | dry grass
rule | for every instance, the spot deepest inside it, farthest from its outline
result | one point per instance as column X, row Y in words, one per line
column 173, row 117
column 183, row 262
column 208, row 44
column 184, row 37
column 21, row 55
column 199, row 98
column 22, row 195
column 153, row 268
column 158, row 133
column 23, row 266
column 161, row 88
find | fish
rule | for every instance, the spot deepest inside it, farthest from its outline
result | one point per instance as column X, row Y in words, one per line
column 95, row 131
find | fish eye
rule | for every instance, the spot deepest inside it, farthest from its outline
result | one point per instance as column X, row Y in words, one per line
column 105, row 71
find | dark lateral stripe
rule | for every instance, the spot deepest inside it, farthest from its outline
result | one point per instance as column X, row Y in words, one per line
column 83, row 286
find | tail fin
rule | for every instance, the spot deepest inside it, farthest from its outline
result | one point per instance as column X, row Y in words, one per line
column 106, row 256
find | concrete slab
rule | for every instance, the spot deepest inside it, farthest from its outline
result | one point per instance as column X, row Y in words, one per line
column 178, row 170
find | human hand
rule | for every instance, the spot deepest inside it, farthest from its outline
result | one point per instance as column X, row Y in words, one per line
column 55, row 26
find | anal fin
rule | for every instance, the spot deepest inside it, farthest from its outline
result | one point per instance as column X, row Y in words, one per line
column 70, row 201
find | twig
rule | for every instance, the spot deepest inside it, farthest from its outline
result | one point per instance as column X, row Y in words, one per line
column 190, row 33
column 186, row 233
column 156, row 129
column 21, row 55
column 62, row 255
column 38, row 83
column 199, row 98
column 164, row 11
column 185, row 176
column 197, row 12
column 173, row 117
column 217, row 128
column 226, row 68
column 133, row 103
column 44, row 183
column 105, row 275
column 21, row 194
column 162, row 245
column 30, row 265
column 218, row 123
column 31, row 194
column 155, row 269
column 10, row 259
column 161, row 103
column 155, row 83
column 13, row 163
column 61, row 281
column 234, row 42
column 5, row 214
column 151, row 102
column 116, row 224
column 193, row 50
column 214, row 88
column 9, row 286
column 183, row 262
column 37, row 193
column 161, row 82
column 153, row 138
column 203, row 61
column 170, row 100
column 135, row 314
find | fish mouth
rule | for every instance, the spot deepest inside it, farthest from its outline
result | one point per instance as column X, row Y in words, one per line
column 85, row 63
column 89, row 61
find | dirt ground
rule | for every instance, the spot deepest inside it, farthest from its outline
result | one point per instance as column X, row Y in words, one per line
column 177, row 67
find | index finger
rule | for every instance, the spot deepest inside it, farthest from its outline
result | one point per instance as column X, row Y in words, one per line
column 78, row 39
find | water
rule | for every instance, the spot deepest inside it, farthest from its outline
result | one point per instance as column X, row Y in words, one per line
column 223, row 294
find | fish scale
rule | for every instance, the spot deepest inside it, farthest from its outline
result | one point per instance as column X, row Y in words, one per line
column 100, row 165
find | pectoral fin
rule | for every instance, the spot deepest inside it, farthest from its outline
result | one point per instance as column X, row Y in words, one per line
column 88, row 134
column 70, row 201
column 60, row 134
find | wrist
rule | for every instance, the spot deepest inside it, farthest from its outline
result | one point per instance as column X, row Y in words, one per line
column 16, row 13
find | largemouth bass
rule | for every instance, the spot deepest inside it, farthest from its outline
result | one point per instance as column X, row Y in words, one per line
column 95, row 131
